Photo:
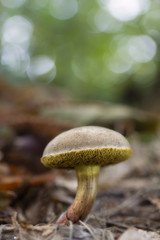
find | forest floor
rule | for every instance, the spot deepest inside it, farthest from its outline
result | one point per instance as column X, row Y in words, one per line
column 127, row 206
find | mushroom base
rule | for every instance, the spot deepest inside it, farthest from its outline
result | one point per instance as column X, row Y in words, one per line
column 86, row 192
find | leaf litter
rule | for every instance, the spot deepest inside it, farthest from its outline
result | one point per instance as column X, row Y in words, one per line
column 127, row 206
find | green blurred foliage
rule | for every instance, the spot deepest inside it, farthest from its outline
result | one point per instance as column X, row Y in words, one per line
column 83, row 46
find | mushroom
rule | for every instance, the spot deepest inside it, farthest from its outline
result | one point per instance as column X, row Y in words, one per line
column 85, row 149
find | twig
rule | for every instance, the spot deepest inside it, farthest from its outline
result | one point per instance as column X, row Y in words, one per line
column 89, row 229
column 16, row 225
column 108, row 234
column 71, row 230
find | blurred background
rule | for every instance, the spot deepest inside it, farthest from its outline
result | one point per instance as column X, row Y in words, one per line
column 102, row 49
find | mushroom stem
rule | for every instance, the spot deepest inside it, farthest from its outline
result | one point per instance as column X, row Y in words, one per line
column 85, row 196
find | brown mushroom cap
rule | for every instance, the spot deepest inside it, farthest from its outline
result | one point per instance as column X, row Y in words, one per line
column 89, row 145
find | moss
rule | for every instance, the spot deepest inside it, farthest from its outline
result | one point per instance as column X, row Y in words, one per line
column 72, row 159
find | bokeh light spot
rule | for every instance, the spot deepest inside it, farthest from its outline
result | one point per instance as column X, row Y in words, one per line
column 12, row 4
column 119, row 65
column 106, row 23
column 42, row 69
column 15, row 58
column 120, row 60
column 62, row 9
column 126, row 10
column 142, row 48
column 17, row 30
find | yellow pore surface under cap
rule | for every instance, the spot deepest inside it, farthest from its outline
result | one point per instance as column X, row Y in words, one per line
column 97, row 156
